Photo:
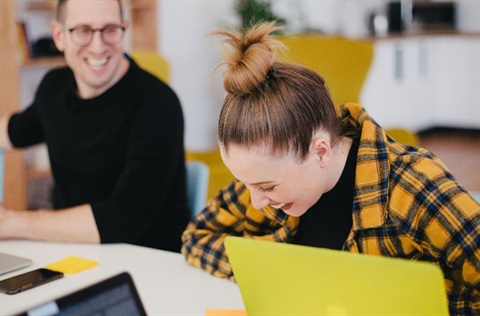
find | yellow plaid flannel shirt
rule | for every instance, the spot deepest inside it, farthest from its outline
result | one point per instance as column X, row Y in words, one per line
column 406, row 204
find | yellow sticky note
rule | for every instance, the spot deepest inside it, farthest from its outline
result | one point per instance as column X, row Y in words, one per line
column 72, row 265
column 225, row 312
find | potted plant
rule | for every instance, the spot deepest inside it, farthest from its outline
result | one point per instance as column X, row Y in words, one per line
column 252, row 12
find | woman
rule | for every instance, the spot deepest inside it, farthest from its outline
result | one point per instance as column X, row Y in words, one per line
column 308, row 173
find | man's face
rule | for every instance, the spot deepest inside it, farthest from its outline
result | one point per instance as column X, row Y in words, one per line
column 96, row 66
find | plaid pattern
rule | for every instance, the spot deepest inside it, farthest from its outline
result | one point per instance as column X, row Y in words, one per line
column 406, row 204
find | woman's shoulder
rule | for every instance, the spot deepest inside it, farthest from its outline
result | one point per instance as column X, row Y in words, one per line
column 416, row 161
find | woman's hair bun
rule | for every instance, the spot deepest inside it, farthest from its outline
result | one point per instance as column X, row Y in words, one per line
column 249, row 57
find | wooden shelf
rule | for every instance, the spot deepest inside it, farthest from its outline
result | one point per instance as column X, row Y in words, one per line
column 143, row 16
column 44, row 5
column 141, row 4
column 15, row 185
column 33, row 173
column 144, row 24
column 51, row 62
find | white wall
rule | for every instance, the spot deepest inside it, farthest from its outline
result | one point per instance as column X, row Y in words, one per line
column 468, row 15
column 341, row 17
column 183, row 30
column 184, row 25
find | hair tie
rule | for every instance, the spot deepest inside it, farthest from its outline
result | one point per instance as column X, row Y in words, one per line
column 270, row 72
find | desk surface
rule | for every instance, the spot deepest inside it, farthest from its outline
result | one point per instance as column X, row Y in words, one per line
column 166, row 283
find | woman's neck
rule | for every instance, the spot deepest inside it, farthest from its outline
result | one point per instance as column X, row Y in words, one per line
column 340, row 156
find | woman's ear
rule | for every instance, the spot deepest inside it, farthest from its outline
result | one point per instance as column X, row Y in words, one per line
column 322, row 150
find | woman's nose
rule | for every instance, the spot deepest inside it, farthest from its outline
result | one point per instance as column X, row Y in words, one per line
column 259, row 199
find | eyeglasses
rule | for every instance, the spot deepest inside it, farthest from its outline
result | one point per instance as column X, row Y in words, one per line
column 82, row 35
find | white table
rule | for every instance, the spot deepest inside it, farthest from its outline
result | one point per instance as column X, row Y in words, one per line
column 166, row 283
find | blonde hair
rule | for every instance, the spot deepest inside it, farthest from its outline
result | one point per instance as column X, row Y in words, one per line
column 270, row 101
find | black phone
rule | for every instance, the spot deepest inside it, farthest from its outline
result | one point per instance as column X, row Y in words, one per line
column 28, row 280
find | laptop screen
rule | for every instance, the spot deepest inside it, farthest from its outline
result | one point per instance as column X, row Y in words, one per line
column 114, row 296
column 286, row 279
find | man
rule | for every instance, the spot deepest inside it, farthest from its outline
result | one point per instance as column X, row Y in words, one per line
column 115, row 140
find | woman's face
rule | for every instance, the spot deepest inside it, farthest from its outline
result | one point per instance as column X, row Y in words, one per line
column 281, row 182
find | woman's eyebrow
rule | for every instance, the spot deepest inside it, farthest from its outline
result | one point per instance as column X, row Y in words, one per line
column 263, row 182
column 256, row 183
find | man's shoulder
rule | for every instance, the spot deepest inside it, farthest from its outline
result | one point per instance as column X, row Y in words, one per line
column 58, row 73
column 147, row 81
column 147, row 86
column 55, row 80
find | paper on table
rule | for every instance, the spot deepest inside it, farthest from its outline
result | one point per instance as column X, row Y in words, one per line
column 72, row 265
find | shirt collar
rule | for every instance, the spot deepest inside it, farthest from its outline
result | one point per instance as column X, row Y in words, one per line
column 370, row 199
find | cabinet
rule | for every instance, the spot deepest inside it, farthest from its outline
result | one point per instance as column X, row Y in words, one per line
column 142, row 15
column 456, row 82
column 420, row 82
column 397, row 82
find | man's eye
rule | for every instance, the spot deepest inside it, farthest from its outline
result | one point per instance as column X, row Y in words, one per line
column 110, row 29
column 84, row 30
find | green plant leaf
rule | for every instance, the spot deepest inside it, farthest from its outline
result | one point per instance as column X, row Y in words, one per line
column 252, row 12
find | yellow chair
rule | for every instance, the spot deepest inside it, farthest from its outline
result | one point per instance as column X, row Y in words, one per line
column 220, row 176
column 404, row 136
column 153, row 63
column 342, row 62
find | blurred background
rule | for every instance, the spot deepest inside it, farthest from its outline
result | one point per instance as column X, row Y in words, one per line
column 424, row 75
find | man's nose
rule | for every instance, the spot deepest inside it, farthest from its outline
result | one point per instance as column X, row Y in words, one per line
column 97, row 41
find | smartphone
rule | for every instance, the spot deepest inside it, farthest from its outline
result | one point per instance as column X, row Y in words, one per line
column 28, row 280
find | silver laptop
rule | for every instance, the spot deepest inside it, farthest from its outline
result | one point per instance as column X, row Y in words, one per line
column 9, row 263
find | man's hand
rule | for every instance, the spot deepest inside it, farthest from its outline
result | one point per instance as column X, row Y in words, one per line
column 6, row 223
column 4, row 140
column 76, row 224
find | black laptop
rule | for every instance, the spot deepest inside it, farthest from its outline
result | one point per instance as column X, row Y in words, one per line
column 116, row 296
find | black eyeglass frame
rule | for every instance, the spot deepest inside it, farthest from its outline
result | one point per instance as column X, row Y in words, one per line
column 92, row 32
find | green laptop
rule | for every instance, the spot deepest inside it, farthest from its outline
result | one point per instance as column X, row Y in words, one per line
column 285, row 279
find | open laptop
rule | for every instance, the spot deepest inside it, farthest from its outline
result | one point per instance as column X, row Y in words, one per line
column 285, row 279
column 9, row 263
column 116, row 295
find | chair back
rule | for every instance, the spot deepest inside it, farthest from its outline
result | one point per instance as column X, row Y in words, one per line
column 342, row 62
column 197, row 186
column 153, row 63
column 2, row 174
column 219, row 175
column 404, row 136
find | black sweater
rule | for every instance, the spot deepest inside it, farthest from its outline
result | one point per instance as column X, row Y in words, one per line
column 329, row 221
column 122, row 152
